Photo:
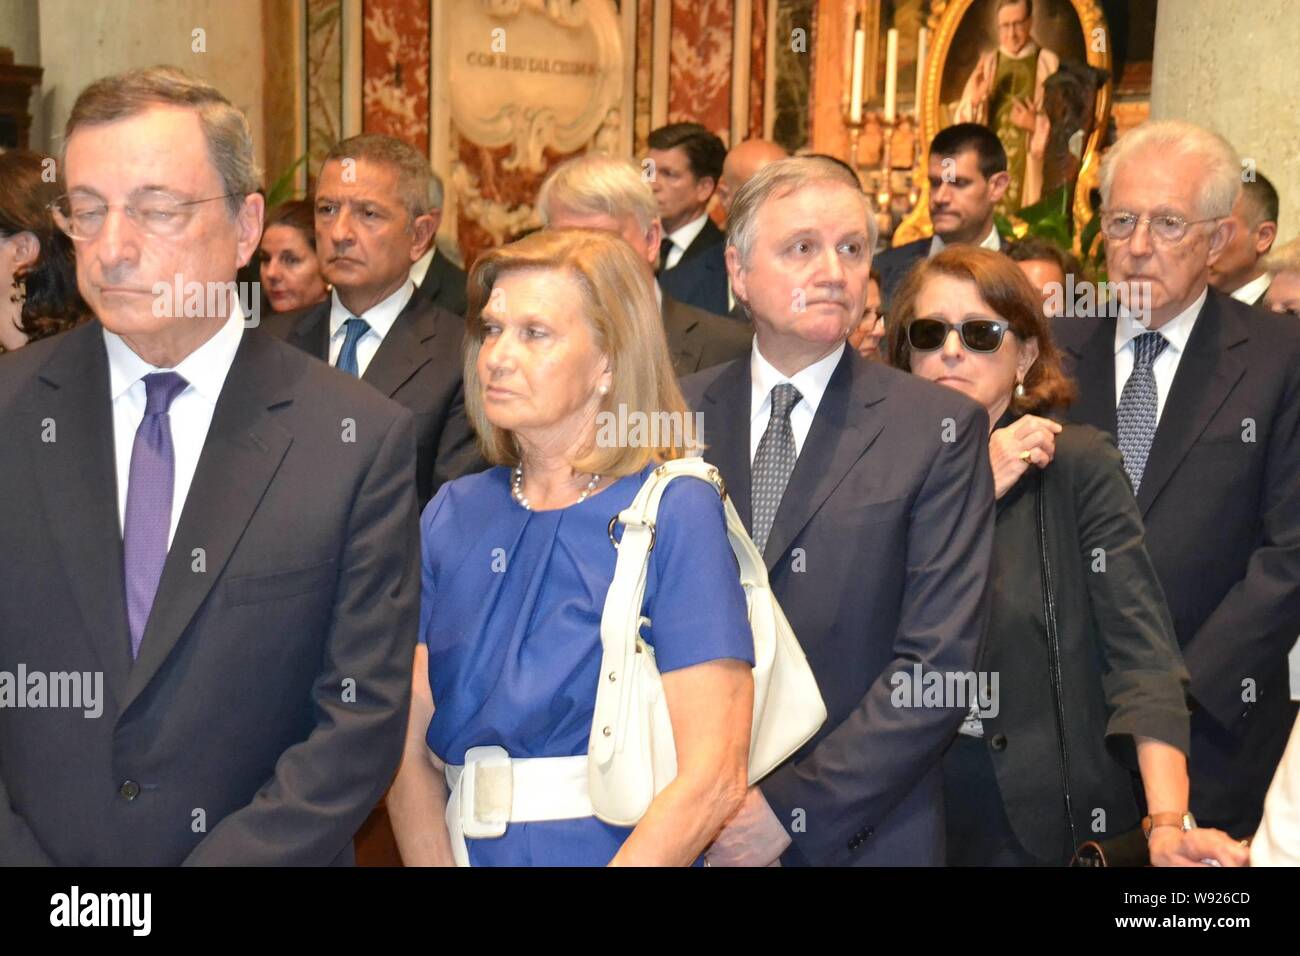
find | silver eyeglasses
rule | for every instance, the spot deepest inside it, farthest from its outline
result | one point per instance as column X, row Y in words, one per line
column 1166, row 229
column 82, row 217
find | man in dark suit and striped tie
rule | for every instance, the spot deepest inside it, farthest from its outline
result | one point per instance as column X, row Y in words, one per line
column 1203, row 395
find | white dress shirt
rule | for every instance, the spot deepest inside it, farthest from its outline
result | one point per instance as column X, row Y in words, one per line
column 1253, row 290
column 683, row 237
column 991, row 241
column 420, row 267
column 380, row 318
column 191, row 411
column 811, row 383
column 1176, row 331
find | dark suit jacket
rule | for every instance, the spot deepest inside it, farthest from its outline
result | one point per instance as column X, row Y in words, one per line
column 1221, row 501
column 879, row 556
column 700, row 277
column 894, row 264
column 418, row 365
column 1122, row 673
column 444, row 285
column 266, row 712
column 699, row 339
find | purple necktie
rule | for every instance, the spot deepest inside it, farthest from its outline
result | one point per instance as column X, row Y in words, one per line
column 149, row 501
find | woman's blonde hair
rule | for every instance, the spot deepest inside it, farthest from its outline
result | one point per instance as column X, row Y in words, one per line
column 622, row 312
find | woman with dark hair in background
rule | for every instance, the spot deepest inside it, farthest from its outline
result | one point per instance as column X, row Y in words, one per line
column 291, row 275
column 1107, row 694
column 38, row 275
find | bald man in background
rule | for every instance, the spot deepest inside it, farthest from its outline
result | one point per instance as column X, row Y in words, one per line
column 702, row 281
column 742, row 163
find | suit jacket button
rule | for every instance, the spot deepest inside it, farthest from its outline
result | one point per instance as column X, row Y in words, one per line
column 998, row 742
column 129, row 790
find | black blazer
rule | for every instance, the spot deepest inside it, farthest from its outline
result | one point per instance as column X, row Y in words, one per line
column 699, row 339
column 894, row 265
column 418, row 365
column 700, row 277
column 1221, row 502
column 1122, row 673
column 266, row 712
column 879, row 556
column 444, row 285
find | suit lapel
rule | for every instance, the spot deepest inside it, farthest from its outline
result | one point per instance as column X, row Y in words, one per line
column 685, row 348
column 77, row 477
column 726, row 432
column 1206, row 374
column 1095, row 371
column 842, row 430
column 311, row 333
column 403, row 351
column 241, row 455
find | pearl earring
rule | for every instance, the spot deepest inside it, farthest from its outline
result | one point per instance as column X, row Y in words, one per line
column 1020, row 389
column 604, row 390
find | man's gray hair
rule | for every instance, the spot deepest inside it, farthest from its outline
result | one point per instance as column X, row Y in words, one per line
column 1220, row 166
column 599, row 185
column 436, row 196
column 414, row 175
column 225, row 128
column 781, row 178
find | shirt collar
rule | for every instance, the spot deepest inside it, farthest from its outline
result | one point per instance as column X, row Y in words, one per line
column 1176, row 331
column 1252, row 290
column 421, row 267
column 991, row 241
column 205, row 368
column 1026, row 51
column 683, row 236
column 810, row 381
column 379, row 317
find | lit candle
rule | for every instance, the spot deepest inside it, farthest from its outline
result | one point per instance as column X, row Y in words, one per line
column 859, row 67
column 891, row 76
column 922, row 41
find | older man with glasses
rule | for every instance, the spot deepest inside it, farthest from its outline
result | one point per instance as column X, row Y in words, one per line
column 1203, row 395
column 206, row 520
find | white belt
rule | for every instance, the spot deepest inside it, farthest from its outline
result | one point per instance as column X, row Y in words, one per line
column 491, row 791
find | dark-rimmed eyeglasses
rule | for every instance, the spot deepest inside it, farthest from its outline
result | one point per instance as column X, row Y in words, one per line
column 82, row 217
column 977, row 335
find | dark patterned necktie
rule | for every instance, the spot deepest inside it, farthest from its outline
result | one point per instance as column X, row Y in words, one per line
column 1136, row 416
column 149, row 501
column 773, row 462
column 353, row 330
column 665, row 247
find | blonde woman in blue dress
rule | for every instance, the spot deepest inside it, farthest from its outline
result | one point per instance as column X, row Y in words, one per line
column 564, row 325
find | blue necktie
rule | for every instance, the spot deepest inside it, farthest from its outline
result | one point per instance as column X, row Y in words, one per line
column 1136, row 416
column 149, row 501
column 353, row 330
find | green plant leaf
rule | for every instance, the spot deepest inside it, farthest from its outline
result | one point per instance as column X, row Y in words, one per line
column 282, row 189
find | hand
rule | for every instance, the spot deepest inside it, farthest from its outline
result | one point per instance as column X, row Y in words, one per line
column 1023, row 114
column 1007, row 447
column 1196, row 847
column 752, row 837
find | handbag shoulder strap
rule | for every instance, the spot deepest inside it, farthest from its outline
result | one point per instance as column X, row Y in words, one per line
column 1055, row 679
column 621, row 620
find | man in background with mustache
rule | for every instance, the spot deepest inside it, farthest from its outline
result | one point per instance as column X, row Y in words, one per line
column 968, row 178
column 373, row 220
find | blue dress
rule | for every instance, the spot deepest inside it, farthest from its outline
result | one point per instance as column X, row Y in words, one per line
column 511, row 602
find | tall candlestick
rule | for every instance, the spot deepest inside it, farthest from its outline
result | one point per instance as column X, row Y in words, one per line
column 859, row 67
column 922, row 42
column 891, row 76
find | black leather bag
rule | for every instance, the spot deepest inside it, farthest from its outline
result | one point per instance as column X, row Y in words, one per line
column 1125, row 849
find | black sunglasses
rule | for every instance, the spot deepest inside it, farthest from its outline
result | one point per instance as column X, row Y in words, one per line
column 978, row 335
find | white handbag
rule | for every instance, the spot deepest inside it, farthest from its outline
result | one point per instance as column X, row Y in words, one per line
column 631, row 756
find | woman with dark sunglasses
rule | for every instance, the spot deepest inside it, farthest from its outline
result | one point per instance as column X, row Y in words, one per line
column 969, row 319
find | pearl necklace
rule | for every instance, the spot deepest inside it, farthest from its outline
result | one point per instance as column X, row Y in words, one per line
column 518, row 489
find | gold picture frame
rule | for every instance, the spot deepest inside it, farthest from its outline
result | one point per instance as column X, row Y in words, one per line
column 945, row 18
